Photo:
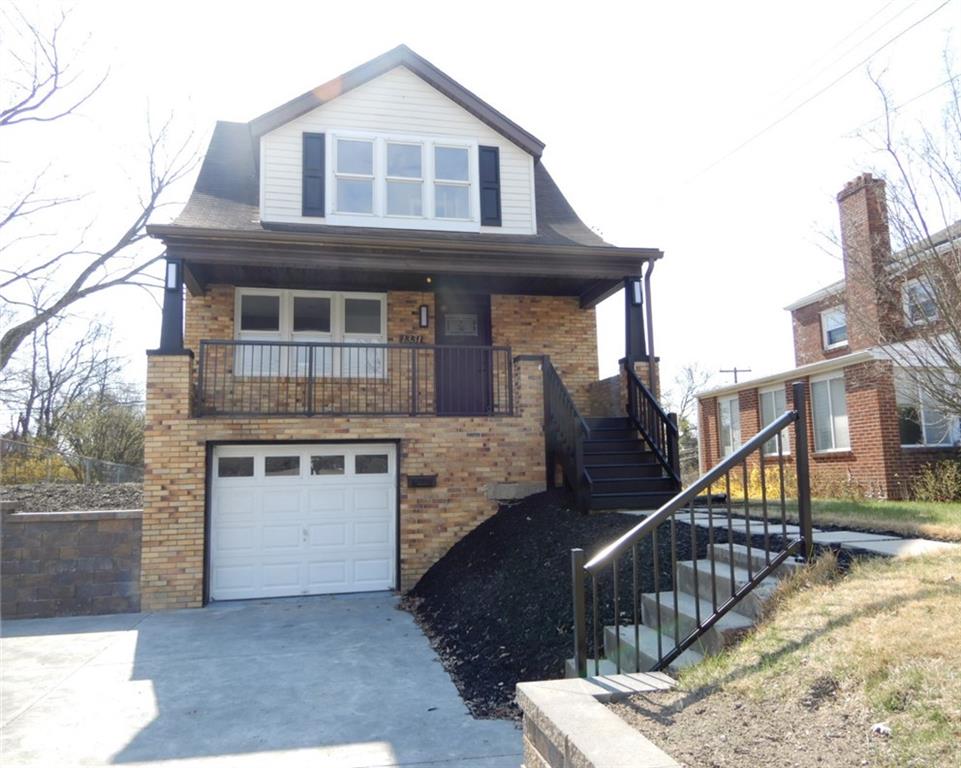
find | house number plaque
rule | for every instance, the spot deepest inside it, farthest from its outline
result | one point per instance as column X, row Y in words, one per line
column 411, row 338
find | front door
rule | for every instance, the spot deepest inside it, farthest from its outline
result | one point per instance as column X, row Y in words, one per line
column 463, row 363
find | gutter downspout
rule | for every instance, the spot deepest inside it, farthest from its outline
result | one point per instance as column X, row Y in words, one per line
column 650, row 329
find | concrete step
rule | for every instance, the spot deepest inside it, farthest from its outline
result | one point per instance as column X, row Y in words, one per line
column 749, row 606
column 722, row 554
column 726, row 631
column 647, row 645
column 607, row 667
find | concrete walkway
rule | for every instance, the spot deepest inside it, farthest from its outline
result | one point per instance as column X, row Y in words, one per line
column 344, row 682
column 876, row 544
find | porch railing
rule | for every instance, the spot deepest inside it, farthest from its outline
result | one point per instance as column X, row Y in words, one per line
column 565, row 431
column 646, row 557
column 270, row 378
column 656, row 426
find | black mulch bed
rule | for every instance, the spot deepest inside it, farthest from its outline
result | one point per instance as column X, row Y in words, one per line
column 497, row 606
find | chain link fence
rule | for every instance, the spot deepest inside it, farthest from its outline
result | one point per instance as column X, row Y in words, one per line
column 23, row 463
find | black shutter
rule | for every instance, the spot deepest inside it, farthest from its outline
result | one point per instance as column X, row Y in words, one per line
column 313, row 195
column 490, row 186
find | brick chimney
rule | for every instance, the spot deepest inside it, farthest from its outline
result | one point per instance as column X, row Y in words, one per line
column 866, row 247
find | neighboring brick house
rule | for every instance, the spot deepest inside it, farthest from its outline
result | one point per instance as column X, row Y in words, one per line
column 375, row 272
column 871, row 426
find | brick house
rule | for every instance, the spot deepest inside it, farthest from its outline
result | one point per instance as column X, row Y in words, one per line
column 871, row 426
column 388, row 326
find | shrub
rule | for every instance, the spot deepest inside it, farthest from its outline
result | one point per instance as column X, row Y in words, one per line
column 938, row 482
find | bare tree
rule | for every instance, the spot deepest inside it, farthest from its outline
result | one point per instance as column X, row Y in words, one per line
column 40, row 86
column 53, row 375
column 681, row 398
column 921, row 332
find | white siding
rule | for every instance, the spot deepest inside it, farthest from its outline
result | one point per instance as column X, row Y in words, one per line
column 397, row 102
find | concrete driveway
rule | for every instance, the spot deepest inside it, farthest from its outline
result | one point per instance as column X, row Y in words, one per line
column 321, row 681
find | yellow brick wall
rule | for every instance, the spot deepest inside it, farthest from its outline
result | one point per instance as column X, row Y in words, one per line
column 467, row 454
column 550, row 325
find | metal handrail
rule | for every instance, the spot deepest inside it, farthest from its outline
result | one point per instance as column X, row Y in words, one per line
column 345, row 344
column 715, row 605
column 682, row 499
column 571, row 454
column 664, row 446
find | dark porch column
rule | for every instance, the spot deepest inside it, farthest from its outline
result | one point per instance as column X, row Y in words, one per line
column 172, row 324
column 634, row 339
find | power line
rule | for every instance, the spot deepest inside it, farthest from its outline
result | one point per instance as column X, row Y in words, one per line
column 811, row 98
column 903, row 104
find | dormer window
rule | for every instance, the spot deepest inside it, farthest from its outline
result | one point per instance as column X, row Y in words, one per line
column 918, row 301
column 400, row 181
column 834, row 328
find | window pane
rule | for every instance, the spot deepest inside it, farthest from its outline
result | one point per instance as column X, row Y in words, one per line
column 259, row 313
column 937, row 425
column 371, row 464
column 355, row 196
column 312, row 314
column 909, row 425
column 839, row 410
column 282, row 466
column 837, row 335
column 404, row 198
column 451, row 202
column 450, row 163
column 362, row 316
column 821, row 407
column 326, row 465
column 725, row 430
column 355, row 157
column 404, row 160
column 235, row 466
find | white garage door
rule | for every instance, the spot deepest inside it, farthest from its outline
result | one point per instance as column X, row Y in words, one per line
column 302, row 520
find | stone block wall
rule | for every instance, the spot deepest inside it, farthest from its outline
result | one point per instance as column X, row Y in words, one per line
column 69, row 563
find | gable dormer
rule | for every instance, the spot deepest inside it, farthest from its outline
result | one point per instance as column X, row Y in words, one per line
column 396, row 144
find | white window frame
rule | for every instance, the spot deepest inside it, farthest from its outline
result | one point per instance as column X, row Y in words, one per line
column 724, row 405
column 379, row 215
column 421, row 180
column 906, row 302
column 826, row 378
column 826, row 316
column 954, row 429
column 337, row 334
column 785, row 433
column 372, row 177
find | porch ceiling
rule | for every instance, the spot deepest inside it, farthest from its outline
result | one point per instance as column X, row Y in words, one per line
column 402, row 263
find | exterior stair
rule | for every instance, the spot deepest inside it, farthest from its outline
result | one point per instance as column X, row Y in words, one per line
column 624, row 473
column 642, row 646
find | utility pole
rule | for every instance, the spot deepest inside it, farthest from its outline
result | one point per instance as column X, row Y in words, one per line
column 735, row 370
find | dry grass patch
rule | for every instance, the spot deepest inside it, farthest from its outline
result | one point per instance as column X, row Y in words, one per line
column 883, row 642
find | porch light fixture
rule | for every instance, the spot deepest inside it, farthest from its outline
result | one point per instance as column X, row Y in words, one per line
column 173, row 281
column 636, row 293
column 424, row 318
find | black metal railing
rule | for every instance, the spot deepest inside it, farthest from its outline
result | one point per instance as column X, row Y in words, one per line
column 658, row 428
column 648, row 554
column 564, row 434
column 269, row 378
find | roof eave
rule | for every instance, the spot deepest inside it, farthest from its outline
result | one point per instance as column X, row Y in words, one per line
column 399, row 56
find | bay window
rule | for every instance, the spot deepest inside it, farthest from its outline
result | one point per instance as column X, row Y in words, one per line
column 830, row 414
column 729, row 425
column 773, row 405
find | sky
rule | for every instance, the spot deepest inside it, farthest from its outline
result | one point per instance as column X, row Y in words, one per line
column 719, row 133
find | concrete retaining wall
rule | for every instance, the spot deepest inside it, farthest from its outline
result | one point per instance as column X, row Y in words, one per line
column 69, row 563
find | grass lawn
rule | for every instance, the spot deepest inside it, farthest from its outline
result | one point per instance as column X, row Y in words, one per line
column 932, row 520
column 834, row 656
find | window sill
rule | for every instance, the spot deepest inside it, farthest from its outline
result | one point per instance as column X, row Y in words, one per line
column 934, row 447
column 835, row 452
column 835, row 347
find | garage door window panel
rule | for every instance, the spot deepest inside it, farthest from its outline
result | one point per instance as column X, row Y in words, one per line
column 326, row 465
column 235, row 466
column 371, row 464
column 282, row 466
